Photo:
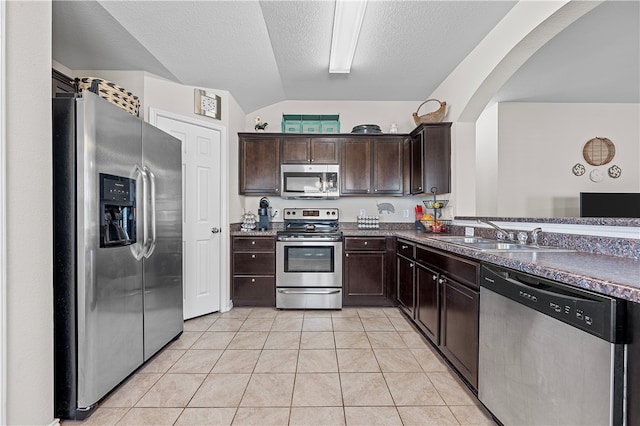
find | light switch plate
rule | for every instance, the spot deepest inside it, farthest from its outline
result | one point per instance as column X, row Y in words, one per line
column 468, row 231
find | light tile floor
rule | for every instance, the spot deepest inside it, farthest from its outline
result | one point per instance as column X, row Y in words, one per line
column 261, row 366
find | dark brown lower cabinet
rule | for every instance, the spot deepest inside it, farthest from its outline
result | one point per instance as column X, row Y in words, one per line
column 254, row 291
column 366, row 271
column 440, row 292
column 459, row 328
column 253, row 267
column 428, row 302
column 406, row 285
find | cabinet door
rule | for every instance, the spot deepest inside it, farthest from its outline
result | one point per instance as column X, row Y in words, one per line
column 428, row 302
column 295, row 150
column 259, row 166
column 459, row 328
column 254, row 291
column 355, row 169
column 415, row 166
column 387, row 166
column 325, row 150
column 437, row 158
column 364, row 278
column 405, row 284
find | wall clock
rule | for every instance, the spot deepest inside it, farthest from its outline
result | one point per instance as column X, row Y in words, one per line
column 207, row 103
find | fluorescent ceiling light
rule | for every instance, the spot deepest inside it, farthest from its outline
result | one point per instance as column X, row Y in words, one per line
column 347, row 22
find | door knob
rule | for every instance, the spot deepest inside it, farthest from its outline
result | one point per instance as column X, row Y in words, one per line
column 215, row 230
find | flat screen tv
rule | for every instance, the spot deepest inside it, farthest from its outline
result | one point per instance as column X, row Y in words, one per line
column 610, row 204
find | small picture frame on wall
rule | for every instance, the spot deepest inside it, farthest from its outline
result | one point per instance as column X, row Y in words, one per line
column 207, row 103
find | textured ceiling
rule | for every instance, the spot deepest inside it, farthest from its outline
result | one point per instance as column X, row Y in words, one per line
column 264, row 52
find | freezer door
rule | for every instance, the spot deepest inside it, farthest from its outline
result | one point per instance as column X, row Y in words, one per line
column 163, row 260
column 109, row 284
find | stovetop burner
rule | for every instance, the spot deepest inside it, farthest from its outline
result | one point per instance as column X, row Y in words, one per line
column 305, row 223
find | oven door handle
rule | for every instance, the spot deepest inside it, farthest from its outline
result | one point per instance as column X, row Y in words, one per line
column 310, row 239
column 309, row 292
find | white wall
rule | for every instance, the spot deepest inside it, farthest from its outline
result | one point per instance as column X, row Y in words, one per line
column 236, row 124
column 539, row 143
column 352, row 113
column 487, row 162
column 29, row 209
column 179, row 99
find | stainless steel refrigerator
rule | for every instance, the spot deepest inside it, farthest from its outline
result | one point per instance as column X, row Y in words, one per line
column 117, row 229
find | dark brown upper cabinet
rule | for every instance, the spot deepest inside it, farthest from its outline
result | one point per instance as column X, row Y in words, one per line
column 429, row 159
column 259, row 168
column 303, row 150
column 371, row 166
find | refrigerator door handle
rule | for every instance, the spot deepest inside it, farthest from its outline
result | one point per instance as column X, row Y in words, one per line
column 151, row 228
column 140, row 247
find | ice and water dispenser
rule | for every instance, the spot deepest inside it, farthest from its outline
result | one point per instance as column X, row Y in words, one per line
column 117, row 211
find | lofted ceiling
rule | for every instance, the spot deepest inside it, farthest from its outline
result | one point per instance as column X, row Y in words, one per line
column 268, row 51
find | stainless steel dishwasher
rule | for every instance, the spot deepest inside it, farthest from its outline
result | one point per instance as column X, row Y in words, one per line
column 550, row 354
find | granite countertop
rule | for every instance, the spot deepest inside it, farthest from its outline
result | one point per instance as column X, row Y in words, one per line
column 255, row 233
column 611, row 275
column 614, row 276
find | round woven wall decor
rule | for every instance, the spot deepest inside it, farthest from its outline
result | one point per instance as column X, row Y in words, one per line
column 598, row 151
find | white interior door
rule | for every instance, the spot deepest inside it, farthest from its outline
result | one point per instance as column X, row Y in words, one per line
column 202, row 244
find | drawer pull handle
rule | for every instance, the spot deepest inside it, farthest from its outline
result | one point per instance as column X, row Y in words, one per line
column 253, row 280
column 405, row 247
column 366, row 242
column 435, row 277
column 253, row 242
column 253, row 256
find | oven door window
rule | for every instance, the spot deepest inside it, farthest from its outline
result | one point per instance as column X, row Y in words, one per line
column 309, row 259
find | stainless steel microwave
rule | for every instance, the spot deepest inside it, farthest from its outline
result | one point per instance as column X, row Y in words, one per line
column 310, row 181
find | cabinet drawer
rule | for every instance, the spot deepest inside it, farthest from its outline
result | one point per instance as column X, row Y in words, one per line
column 365, row 243
column 463, row 270
column 406, row 249
column 254, row 290
column 254, row 243
column 254, row 263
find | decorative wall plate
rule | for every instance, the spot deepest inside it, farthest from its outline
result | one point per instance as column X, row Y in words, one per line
column 596, row 175
column 615, row 172
column 598, row 151
column 579, row 169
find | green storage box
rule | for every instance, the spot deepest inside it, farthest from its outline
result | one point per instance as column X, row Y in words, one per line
column 308, row 123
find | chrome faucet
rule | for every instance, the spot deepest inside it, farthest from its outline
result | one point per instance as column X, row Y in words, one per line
column 535, row 235
column 501, row 232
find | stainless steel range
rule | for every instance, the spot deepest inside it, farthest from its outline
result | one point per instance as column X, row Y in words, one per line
column 309, row 260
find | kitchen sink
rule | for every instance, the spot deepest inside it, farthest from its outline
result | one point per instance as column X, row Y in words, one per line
column 487, row 244
column 458, row 239
column 507, row 246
